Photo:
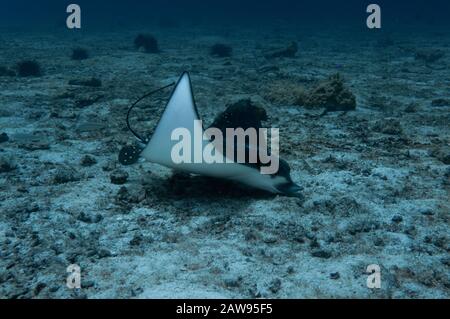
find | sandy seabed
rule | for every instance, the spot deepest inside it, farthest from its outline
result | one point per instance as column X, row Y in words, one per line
column 375, row 180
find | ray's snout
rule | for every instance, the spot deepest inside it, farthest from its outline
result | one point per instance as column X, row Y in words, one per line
column 291, row 189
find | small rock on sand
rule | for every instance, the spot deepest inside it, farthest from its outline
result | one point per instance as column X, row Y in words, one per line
column 7, row 164
column 4, row 137
column 119, row 177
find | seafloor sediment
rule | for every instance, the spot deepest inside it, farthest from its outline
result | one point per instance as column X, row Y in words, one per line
column 375, row 180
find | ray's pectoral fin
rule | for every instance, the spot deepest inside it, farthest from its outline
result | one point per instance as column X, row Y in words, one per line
column 180, row 113
column 129, row 154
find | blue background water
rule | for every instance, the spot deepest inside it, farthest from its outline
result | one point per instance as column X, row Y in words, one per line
column 97, row 14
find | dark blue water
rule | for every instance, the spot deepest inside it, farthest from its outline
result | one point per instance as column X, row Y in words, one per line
column 33, row 15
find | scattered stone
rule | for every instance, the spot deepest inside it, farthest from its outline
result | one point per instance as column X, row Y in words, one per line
column 88, row 100
column 64, row 175
column 314, row 243
column 254, row 291
column 5, row 276
column 103, row 253
column 233, row 282
column 288, row 52
column 275, row 285
column 440, row 102
column 321, row 253
column 6, row 164
column 397, row 219
column 80, row 296
column 388, row 126
column 6, row 72
column 446, row 261
column 92, row 82
column 221, row 50
column 98, row 218
column 136, row 291
column 171, row 237
column 54, row 288
column 119, row 177
column 109, row 166
column 31, row 207
column 243, row 113
column 411, row 231
column 429, row 56
column 330, row 94
column 63, row 114
column 270, row 239
column 250, row 235
column 427, row 212
column 4, row 137
column 440, row 241
column 85, row 218
column 362, row 226
column 35, row 145
column 146, row 42
column 131, row 196
column 29, row 68
column 136, row 241
column 93, row 126
column 442, row 154
column 79, row 54
column 87, row 284
column 88, row 160
column 123, row 194
column 335, row 275
column 290, row 270
column 379, row 242
column 411, row 108
column 71, row 235
column 39, row 288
